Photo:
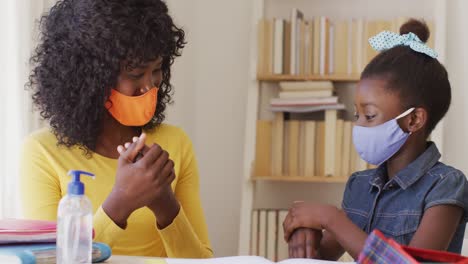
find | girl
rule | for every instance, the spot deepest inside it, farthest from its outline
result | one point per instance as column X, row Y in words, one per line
column 411, row 197
column 101, row 77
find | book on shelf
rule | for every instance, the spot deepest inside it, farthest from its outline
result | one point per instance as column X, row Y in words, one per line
column 340, row 48
column 308, row 148
column 277, row 145
column 296, row 21
column 282, row 249
column 268, row 224
column 272, row 234
column 278, row 45
column 308, row 152
column 330, row 142
column 292, row 154
column 287, row 48
column 306, row 86
column 324, row 45
column 263, row 147
column 307, row 101
column 302, row 48
column 320, row 149
column 339, row 148
column 319, row 45
column 307, row 109
column 331, row 51
column 316, row 46
column 254, row 233
column 346, row 149
column 302, row 94
column 262, row 233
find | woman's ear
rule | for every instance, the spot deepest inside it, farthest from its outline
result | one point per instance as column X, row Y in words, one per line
column 416, row 120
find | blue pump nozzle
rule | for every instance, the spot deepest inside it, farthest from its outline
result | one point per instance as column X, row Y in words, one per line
column 76, row 186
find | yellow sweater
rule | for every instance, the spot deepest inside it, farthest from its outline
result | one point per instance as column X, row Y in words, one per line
column 44, row 181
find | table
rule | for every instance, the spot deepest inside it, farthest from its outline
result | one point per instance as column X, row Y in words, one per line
column 134, row 260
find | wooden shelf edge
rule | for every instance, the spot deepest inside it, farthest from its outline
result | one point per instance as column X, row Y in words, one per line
column 288, row 77
column 318, row 179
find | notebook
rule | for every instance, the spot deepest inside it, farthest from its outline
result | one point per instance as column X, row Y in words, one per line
column 44, row 253
column 14, row 231
column 27, row 231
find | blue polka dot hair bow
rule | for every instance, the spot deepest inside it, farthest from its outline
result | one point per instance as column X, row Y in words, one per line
column 386, row 40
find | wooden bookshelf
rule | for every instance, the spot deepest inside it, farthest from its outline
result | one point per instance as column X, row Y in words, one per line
column 259, row 188
column 288, row 77
column 316, row 179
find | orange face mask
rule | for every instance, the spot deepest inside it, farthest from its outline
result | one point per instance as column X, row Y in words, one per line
column 133, row 110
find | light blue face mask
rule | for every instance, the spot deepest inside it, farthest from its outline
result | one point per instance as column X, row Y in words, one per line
column 377, row 144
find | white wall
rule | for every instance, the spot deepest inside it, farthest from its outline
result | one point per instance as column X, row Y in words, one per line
column 210, row 92
column 210, row 81
column 456, row 122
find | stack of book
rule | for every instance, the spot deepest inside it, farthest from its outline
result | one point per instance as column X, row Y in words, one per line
column 33, row 241
column 302, row 97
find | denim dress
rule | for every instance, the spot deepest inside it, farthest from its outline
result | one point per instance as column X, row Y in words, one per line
column 396, row 206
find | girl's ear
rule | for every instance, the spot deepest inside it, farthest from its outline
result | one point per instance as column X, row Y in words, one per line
column 416, row 120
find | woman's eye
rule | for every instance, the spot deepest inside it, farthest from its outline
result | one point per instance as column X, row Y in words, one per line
column 136, row 76
column 369, row 117
column 157, row 70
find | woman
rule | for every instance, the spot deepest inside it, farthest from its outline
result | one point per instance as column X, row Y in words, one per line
column 101, row 77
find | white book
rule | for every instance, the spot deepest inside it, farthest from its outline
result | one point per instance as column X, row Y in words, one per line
column 262, row 234
column 309, row 148
column 307, row 85
column 278, row 36
column 296, row 19
column 360, row 45
column 350, row 46
column 254, row 233
column 283, row 252
column 272, row 233
column 306, row 109
column 304, row 101
column 331, row 53
column 323, row 42
column 308, row 48
column 302, row 94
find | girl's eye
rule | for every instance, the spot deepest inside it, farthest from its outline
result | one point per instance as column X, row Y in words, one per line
column 157, row 70
column 369, row 117
column 356, row 116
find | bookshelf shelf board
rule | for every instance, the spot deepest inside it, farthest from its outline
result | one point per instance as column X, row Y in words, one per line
column 287, row 77
column 322, row 179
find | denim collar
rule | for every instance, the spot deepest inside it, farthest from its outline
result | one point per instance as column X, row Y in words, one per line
column 411, row 173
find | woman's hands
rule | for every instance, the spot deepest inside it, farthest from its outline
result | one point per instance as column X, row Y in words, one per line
column 144, row 177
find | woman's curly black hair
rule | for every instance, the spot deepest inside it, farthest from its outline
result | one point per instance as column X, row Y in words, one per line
column 83, row 44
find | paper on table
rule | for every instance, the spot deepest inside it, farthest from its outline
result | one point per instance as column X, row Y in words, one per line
column 247, row 260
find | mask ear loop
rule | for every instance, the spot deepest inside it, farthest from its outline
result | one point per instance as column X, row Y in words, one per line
column 407, row 112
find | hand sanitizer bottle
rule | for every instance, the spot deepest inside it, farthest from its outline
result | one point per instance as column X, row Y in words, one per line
column 75, row 223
